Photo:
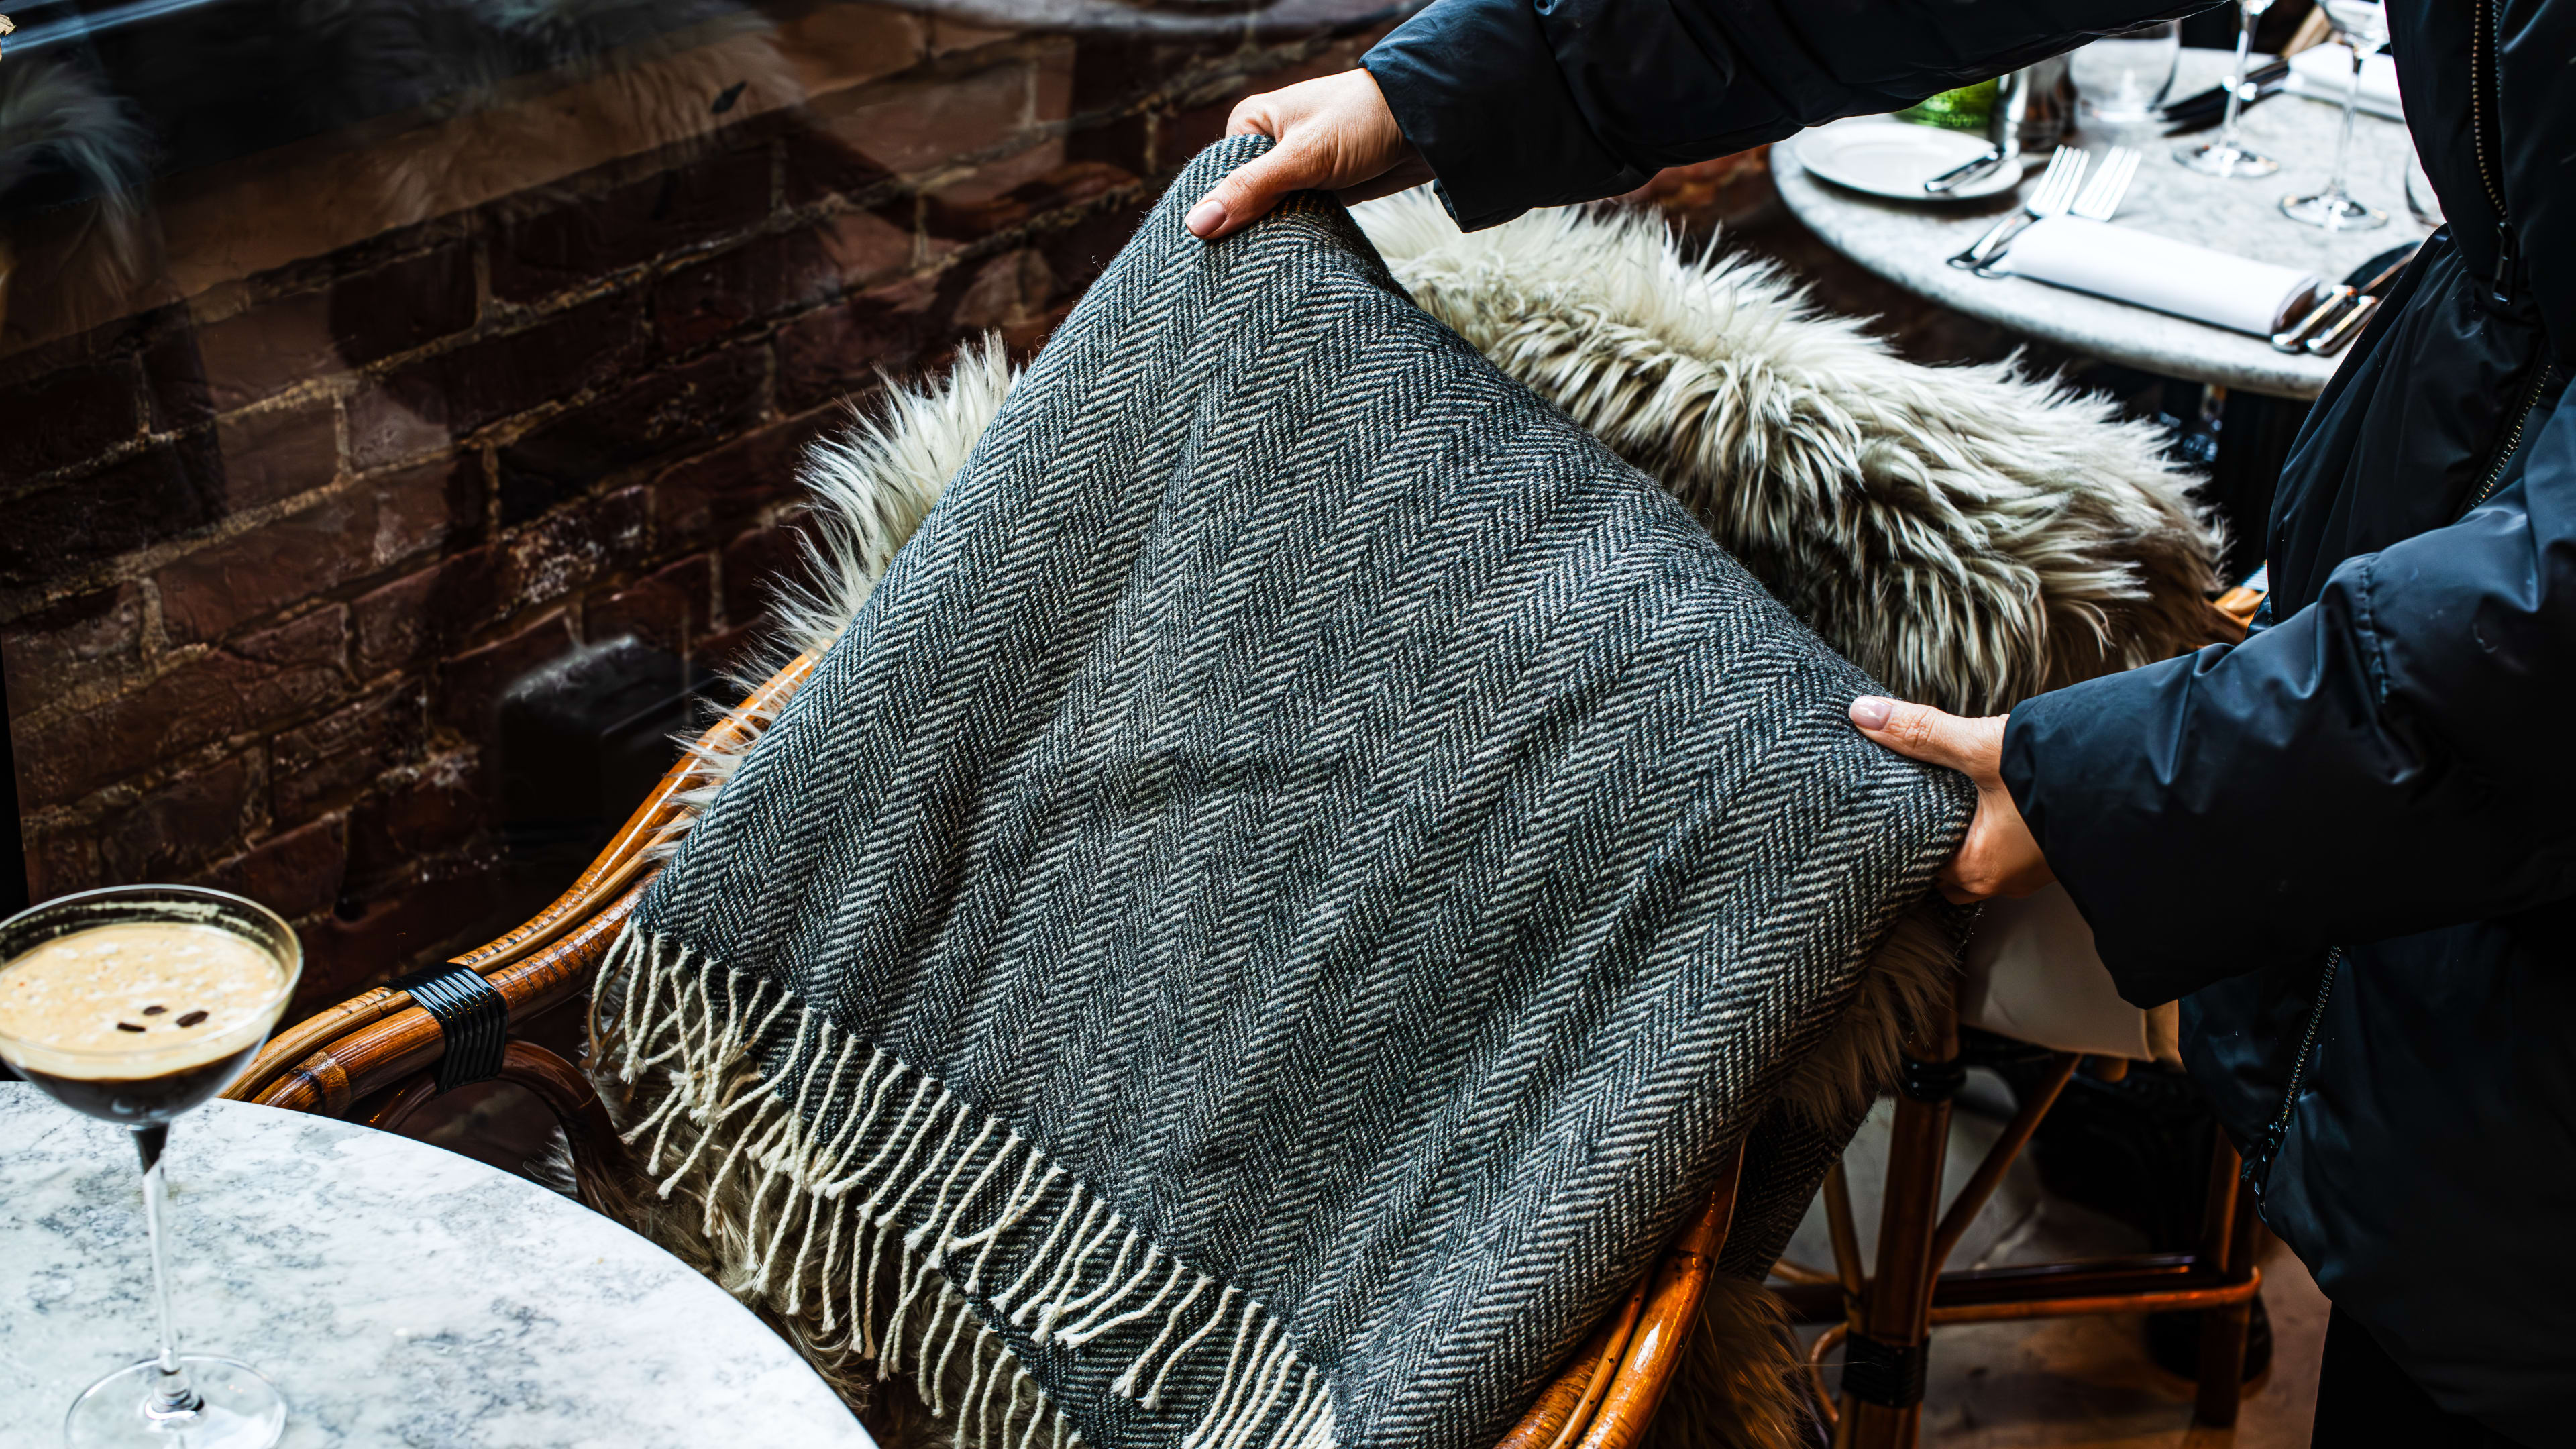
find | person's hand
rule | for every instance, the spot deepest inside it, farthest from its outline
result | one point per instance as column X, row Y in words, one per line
column 1999, row 857
column 1335, row 134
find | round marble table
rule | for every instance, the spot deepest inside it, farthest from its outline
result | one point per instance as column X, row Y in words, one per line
column 397, row 1294
column 1909, row 243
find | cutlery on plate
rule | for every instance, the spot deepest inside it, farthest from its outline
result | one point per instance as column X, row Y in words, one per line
column 2003, row 136
column 2098, row 201
column 2056, row 189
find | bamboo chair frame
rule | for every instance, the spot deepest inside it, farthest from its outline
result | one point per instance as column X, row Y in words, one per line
column 379, row 1052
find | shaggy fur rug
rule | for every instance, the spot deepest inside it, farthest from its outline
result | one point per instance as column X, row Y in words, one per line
column 1969, row 536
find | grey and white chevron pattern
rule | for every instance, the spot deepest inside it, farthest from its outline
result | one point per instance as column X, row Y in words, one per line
column 1364, row 833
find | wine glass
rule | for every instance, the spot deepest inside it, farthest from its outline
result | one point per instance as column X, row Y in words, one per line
column 2362, row 26
column 2124, row 75
column 2226, row 156
column 135, row 1004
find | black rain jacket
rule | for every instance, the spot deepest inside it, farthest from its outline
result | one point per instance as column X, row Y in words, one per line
column 2371, row 803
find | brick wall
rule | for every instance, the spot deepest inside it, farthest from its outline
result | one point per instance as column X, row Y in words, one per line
column 277, row 541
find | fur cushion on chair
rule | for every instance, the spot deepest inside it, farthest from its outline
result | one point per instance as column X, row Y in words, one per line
column 1967, row 535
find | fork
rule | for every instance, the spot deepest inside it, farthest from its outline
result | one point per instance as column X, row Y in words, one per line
column 2098, row 201
column 2056, row 188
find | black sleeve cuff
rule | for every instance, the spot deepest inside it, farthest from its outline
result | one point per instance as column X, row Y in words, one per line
column 1476, row 89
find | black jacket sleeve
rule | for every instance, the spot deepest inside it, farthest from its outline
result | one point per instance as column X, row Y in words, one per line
column 2391, row 759
column 1522, row 103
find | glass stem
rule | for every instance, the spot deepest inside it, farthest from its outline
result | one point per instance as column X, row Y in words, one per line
column 2236, row 84
column 2343, row 143
column 172, row 1395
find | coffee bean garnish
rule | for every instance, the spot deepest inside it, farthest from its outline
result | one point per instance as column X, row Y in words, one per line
column 192, row 1018
column 127, row 1026
column 154, row 1010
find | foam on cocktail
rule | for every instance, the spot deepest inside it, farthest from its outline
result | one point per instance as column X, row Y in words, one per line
column 141, row 999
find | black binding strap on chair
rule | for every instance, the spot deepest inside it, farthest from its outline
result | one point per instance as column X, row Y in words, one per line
column 1884, row 1373
column 1933, row 1081
column 473, row 1017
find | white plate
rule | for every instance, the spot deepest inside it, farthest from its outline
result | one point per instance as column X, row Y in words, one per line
column 1893, row 158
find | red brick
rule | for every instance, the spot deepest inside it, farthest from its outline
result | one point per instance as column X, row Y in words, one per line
column 969, row 212
column 840, row 351
column 425, row 612
column 376, row 942
column 535, row 256
column 81, row 641
column 819, row 165
column 174, row 380
column 256, row 680
column 1006, row 292
column 780, row 272
column 568, row 549
column 162, row 492
column 668, row 415
column 918, row 126
column 60, row 862
column 425, row 810
column 841, row 45
column 754, row 565
column 455, row 392
column 273, row 455
column 348, row 535
column 267, row 349
column 296, row 874
column 714, row 496
column 325, row 764
column 665, row 609
column 188, row 820
column 403, row 305
column 420, row 508
column 207, row 593
column 469, row 687
column 1077, row 253
column 87, row 408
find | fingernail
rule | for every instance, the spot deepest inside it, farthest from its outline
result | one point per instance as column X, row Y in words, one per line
column 1205, row 218
column 1870, row 712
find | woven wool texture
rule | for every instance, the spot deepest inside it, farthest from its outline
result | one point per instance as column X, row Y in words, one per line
column 1280, row 899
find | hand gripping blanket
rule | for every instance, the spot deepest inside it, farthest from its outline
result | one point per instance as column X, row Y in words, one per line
column 1290, row 887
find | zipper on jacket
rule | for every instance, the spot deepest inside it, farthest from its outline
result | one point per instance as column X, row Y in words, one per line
column 2258, row 1169
column 2485, row 107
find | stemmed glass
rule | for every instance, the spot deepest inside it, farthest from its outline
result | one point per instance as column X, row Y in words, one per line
column 2224, row 156
column 2362, row 26
column 135, row 1004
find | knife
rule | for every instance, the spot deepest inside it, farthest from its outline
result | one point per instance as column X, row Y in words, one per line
column 2337, row 319
column 2198, row 109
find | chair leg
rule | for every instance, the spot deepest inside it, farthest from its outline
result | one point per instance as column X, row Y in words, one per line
column 2227, row 1243
column 1883, row 1362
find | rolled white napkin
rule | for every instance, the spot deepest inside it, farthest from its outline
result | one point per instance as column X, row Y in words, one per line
column 2238, row 293
column 2322, row 73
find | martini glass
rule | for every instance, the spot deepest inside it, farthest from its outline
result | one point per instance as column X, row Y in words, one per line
column 134, row 1005
column 2226, row 156
column 2362, row 26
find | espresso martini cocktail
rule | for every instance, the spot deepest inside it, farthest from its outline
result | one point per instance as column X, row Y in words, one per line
column 134, row 1005
column 137, row 1023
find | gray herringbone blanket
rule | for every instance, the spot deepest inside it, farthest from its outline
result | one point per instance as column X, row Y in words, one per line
column 1281, row 899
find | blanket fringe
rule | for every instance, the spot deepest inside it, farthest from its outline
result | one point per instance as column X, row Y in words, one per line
column 803, row 1149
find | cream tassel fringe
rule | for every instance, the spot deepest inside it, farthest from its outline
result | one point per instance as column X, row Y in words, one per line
column 802, row 1148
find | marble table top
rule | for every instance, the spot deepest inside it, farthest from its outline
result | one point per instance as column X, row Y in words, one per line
column 395, row 1293
column 1909, row 243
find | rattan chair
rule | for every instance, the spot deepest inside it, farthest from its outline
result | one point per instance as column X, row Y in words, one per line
column 377, row 1056
column 1883, row 1318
